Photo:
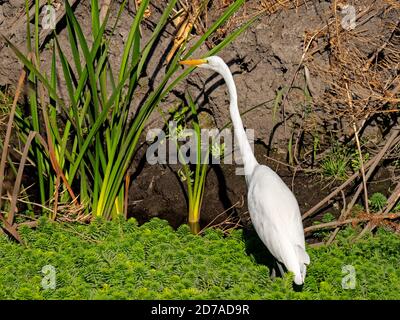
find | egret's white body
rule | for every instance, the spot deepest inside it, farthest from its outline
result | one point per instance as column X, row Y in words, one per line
column 273, row 208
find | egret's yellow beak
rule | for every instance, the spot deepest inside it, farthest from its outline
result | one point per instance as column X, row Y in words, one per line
column 194, row 62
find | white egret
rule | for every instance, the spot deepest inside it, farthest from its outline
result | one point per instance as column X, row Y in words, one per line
column 273, row 208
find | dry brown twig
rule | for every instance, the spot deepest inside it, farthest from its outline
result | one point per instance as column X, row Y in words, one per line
column 365, row 93
column 7, row 225
column 392, row 141
column 229, row 223
column 395, row 196
column 367, row 79
column 105, row 6
column 50, row 149
column 190, row 16
column 379, row 156
column 356, row 133
column 371, row 218
column 185, row 20
column 371, row 163
column 18, row 179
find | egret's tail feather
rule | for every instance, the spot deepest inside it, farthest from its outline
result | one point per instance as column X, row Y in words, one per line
column 304, row 260
column 303, row 271
column 303, row 255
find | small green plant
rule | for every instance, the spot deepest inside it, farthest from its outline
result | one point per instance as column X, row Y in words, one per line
column 218, row 150
column 341, row 160
column 357, row 209
column 277, row 102
column 194, row 174
column 355, row 160
column 316, row 145
column 328, row 217
column 335, row 163
column 290, row 150
column 377, row 201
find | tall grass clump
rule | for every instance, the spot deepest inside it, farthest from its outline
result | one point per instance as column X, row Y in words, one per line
column 91, row 136
column 195, row 167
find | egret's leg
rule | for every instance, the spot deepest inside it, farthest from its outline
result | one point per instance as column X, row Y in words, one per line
column 273, row 273
column 280, row 268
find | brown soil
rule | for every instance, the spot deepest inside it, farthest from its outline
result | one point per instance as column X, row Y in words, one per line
column 157, row 190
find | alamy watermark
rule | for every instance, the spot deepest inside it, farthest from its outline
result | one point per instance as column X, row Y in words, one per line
column 49, row 17
column 349, row 281
column 49, row 277
column 180, row 145
column 348, row 21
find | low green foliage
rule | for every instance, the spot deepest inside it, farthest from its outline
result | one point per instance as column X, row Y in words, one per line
column 120, row 260
column 194, row 167
column 335, row 164
column 341, row 161
column 194, row 173
column 328, row 217
column 356, row 161
column 377, row 201
column 323, row 233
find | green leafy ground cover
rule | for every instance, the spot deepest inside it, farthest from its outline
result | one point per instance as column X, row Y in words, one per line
column 120, row 260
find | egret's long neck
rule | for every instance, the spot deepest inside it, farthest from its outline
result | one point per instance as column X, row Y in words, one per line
column 249, row 161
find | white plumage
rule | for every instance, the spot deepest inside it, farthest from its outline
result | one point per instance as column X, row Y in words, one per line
column 273, row 208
